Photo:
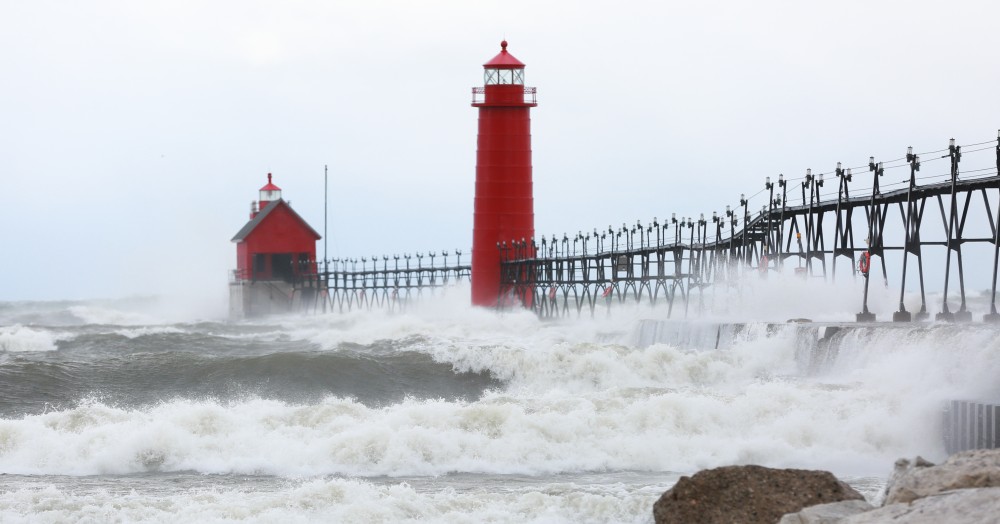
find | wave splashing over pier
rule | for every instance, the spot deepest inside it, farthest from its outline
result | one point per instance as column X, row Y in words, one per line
column 446, row 413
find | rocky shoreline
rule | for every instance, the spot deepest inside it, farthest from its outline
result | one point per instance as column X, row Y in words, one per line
column 964, row 489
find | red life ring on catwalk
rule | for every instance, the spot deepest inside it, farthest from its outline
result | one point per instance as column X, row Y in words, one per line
column 865, row 262
column 763, row 264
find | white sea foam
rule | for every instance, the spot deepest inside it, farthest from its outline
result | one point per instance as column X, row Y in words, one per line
column 569, row 407
column 934, row 362
column 578, row 396
column 149, row 330
column 20, row 339
column 97, row 314
column 144, row 310
column 771, row 423
column 778, row 297
column 338, row 500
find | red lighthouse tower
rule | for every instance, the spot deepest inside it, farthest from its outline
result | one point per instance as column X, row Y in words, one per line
column 504, row 207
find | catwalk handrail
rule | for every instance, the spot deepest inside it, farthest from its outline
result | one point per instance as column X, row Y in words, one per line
column 537, row 270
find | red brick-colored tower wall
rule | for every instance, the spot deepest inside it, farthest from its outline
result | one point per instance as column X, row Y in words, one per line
column 504, row 205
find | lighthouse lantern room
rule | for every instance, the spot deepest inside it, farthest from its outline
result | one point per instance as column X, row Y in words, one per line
column 275, row 254
column 269, row 193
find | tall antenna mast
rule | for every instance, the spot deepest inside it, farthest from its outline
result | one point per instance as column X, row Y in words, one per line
column 326, row 258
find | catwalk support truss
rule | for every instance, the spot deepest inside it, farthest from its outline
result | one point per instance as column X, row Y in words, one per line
column 674, row 263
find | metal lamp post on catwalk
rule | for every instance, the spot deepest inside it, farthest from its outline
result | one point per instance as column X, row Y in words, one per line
column 769, row 238
column 844, row 231
column 745, row 245
column 954, row 244
column 874, row 245
column 783, row 184
column 911, row 244
column 993, row 316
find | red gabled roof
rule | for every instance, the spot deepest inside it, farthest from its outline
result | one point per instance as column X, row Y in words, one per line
column 504, row 60
column 271, row 206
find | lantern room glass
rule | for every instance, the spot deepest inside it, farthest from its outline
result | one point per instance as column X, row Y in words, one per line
column 270, row 196
column 492, row 76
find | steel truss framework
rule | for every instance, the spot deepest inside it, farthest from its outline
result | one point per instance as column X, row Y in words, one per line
column 381, row 283
column 647, row 264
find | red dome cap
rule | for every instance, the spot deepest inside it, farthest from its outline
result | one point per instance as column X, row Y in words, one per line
column 504, row 60
column 270, row 186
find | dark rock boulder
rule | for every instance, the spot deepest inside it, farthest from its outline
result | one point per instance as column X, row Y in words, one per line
column 748, row 495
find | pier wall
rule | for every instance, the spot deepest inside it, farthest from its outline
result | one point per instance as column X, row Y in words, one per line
column 249, row 299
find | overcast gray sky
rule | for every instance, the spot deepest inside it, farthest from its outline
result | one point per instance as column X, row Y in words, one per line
column 135, row 134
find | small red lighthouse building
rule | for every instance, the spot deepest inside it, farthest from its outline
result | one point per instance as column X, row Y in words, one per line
column 275, row 250
column 504, row 207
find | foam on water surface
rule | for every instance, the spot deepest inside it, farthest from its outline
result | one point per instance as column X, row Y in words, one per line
column 570, row 399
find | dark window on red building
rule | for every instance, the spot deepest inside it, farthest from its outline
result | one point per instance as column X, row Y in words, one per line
column 281, row 267
column 259, row 264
